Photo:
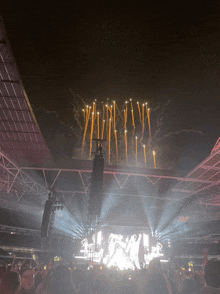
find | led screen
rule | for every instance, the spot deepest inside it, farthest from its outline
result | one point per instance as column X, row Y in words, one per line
column 124, row 252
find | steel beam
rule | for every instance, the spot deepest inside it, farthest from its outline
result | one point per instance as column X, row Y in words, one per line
column 114, row 173
column 13, row 174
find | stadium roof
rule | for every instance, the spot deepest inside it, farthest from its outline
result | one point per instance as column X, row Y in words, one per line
column 20, row 136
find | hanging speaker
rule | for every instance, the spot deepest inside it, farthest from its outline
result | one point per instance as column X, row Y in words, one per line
column 95, row 192
column 45, row 226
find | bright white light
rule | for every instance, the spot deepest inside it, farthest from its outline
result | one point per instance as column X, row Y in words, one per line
column 99, row 238
column 146, row 240
column 119, row 263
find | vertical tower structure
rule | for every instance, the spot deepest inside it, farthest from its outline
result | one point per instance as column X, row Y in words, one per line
column 95, row 191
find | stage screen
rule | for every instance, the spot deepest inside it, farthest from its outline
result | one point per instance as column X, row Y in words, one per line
column 124, row 252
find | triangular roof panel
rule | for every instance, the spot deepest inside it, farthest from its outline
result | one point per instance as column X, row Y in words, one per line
column 20, row 135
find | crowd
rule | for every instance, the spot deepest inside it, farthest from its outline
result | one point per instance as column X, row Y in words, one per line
column 57, row 279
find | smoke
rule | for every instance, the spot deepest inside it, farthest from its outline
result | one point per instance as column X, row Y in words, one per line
column 181, row 131
column 159, row 120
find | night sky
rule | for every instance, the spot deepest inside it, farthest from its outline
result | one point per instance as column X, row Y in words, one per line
column 164, row 52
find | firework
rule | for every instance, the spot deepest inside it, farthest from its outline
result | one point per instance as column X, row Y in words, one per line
column 148, row 118
column 116, row 144
column 144, row 153
column 132, row 115
column 91, row 135
column 131, row 129
column 126, row 144
column 136, row 146
column 93, row 108
column 114, row 113
column 103, row 128
column 106, row 117
column 109, row 141
column 154, row 156
column 142, row 121
column 98, row 123
column 126, row 114
column 86, row 126
column 139, row 111
column 103, row 111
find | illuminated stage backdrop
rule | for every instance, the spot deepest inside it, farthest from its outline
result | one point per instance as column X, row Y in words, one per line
column 122, row 251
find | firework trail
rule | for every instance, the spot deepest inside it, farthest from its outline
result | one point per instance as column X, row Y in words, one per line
column 132, row 137
column 159, row 122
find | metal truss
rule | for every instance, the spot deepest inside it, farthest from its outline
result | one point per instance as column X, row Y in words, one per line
column 206, row 184
column 217, row 146
column 202, row 182
column 119, row 179
column 84, row 176
column 118, row 182
column 13, row 178
column 19, row 231
column 25, row 232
